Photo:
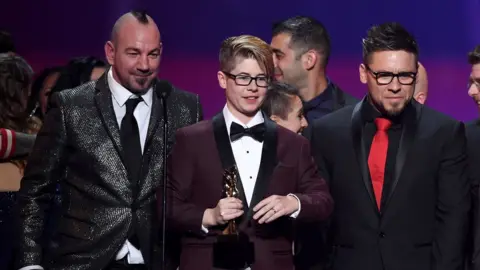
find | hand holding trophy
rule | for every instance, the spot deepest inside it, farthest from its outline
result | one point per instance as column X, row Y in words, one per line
column 230, row 190
column 233, row 249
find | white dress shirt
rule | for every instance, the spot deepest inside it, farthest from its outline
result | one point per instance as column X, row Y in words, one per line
column 142, row 112
column 246, row 151
column 248, row 154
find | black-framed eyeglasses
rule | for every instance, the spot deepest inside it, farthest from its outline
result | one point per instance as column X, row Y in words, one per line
column 384, row 78
column 473, row 81
column 245, row 80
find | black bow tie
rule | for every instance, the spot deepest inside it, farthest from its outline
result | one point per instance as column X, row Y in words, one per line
column 256, row 132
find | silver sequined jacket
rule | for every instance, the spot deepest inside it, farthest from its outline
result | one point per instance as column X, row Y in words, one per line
column 79, row 149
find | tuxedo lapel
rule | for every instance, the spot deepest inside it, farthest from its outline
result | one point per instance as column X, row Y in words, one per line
column 103, row 101
column 360, row 151
column 410, row 121
column 267, row 164
column 227, row 158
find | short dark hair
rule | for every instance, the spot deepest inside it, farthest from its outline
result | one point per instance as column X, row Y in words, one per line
column 278, row 99
column 474, row 56
column 140, row 15
column 306, row 34
column 77, row 72
column 37, row 85
column 388, row 37
column 6, row 42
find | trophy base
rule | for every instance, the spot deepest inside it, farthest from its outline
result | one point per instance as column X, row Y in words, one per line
column 233, row 252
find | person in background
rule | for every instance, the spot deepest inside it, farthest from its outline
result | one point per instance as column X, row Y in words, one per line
column 6, row 42
column 421, row 85
column 301, row 47
column 15, row 81
column 15, row 144
column 78, row 71
column 396, row 169
column 283, row 105
column 41, row 88
column 473, row 139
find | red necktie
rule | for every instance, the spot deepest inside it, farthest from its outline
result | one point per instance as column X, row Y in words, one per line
column 378, row 157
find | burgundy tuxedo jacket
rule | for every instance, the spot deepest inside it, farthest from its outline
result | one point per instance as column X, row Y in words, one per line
column 195, row 179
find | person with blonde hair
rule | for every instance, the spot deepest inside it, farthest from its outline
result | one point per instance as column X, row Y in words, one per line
column 276, row 181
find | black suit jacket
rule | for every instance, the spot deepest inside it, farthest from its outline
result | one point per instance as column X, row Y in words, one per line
column 424, row 221
column 79, row 148
column 309, row 253
column 473, row 143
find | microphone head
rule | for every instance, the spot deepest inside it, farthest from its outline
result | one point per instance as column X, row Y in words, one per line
column 163, row 88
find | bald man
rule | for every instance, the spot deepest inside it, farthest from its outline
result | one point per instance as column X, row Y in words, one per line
column 421, row 85
column 103, row 142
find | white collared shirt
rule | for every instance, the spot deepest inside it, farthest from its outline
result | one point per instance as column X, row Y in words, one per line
column 248, row 155
column 142, row 113
column 247, row 152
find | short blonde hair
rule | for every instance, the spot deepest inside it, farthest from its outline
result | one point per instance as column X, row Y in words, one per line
column 246, row 46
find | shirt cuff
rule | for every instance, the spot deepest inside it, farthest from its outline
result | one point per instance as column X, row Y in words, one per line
column 204, row 229
column 296, row 213
column 32, row 267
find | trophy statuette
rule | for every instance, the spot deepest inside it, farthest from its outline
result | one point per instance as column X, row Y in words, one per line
column 233, row 249
column 230, row 190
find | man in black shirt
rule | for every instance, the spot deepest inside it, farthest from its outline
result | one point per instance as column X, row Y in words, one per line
column 397, row 170
column 473, row 138
column 301, row 47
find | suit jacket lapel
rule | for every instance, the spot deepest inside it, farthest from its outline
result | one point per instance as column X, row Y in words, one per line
column 227, row 158
column 103, row 101
column 267, row 164
column 360, row 151
column 156, row 119
column 410, row 121
column 155, row 115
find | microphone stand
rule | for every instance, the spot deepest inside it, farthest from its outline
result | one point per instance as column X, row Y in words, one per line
column 164, row 191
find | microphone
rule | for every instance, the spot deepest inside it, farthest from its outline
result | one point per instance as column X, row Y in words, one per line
column 163, row 89
column 15, row 144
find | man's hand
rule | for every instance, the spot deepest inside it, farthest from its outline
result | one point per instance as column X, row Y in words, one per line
column 274, row 207
column 226, row 209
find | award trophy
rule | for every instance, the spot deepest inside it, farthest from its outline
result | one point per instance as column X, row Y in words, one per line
column 233, row 249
